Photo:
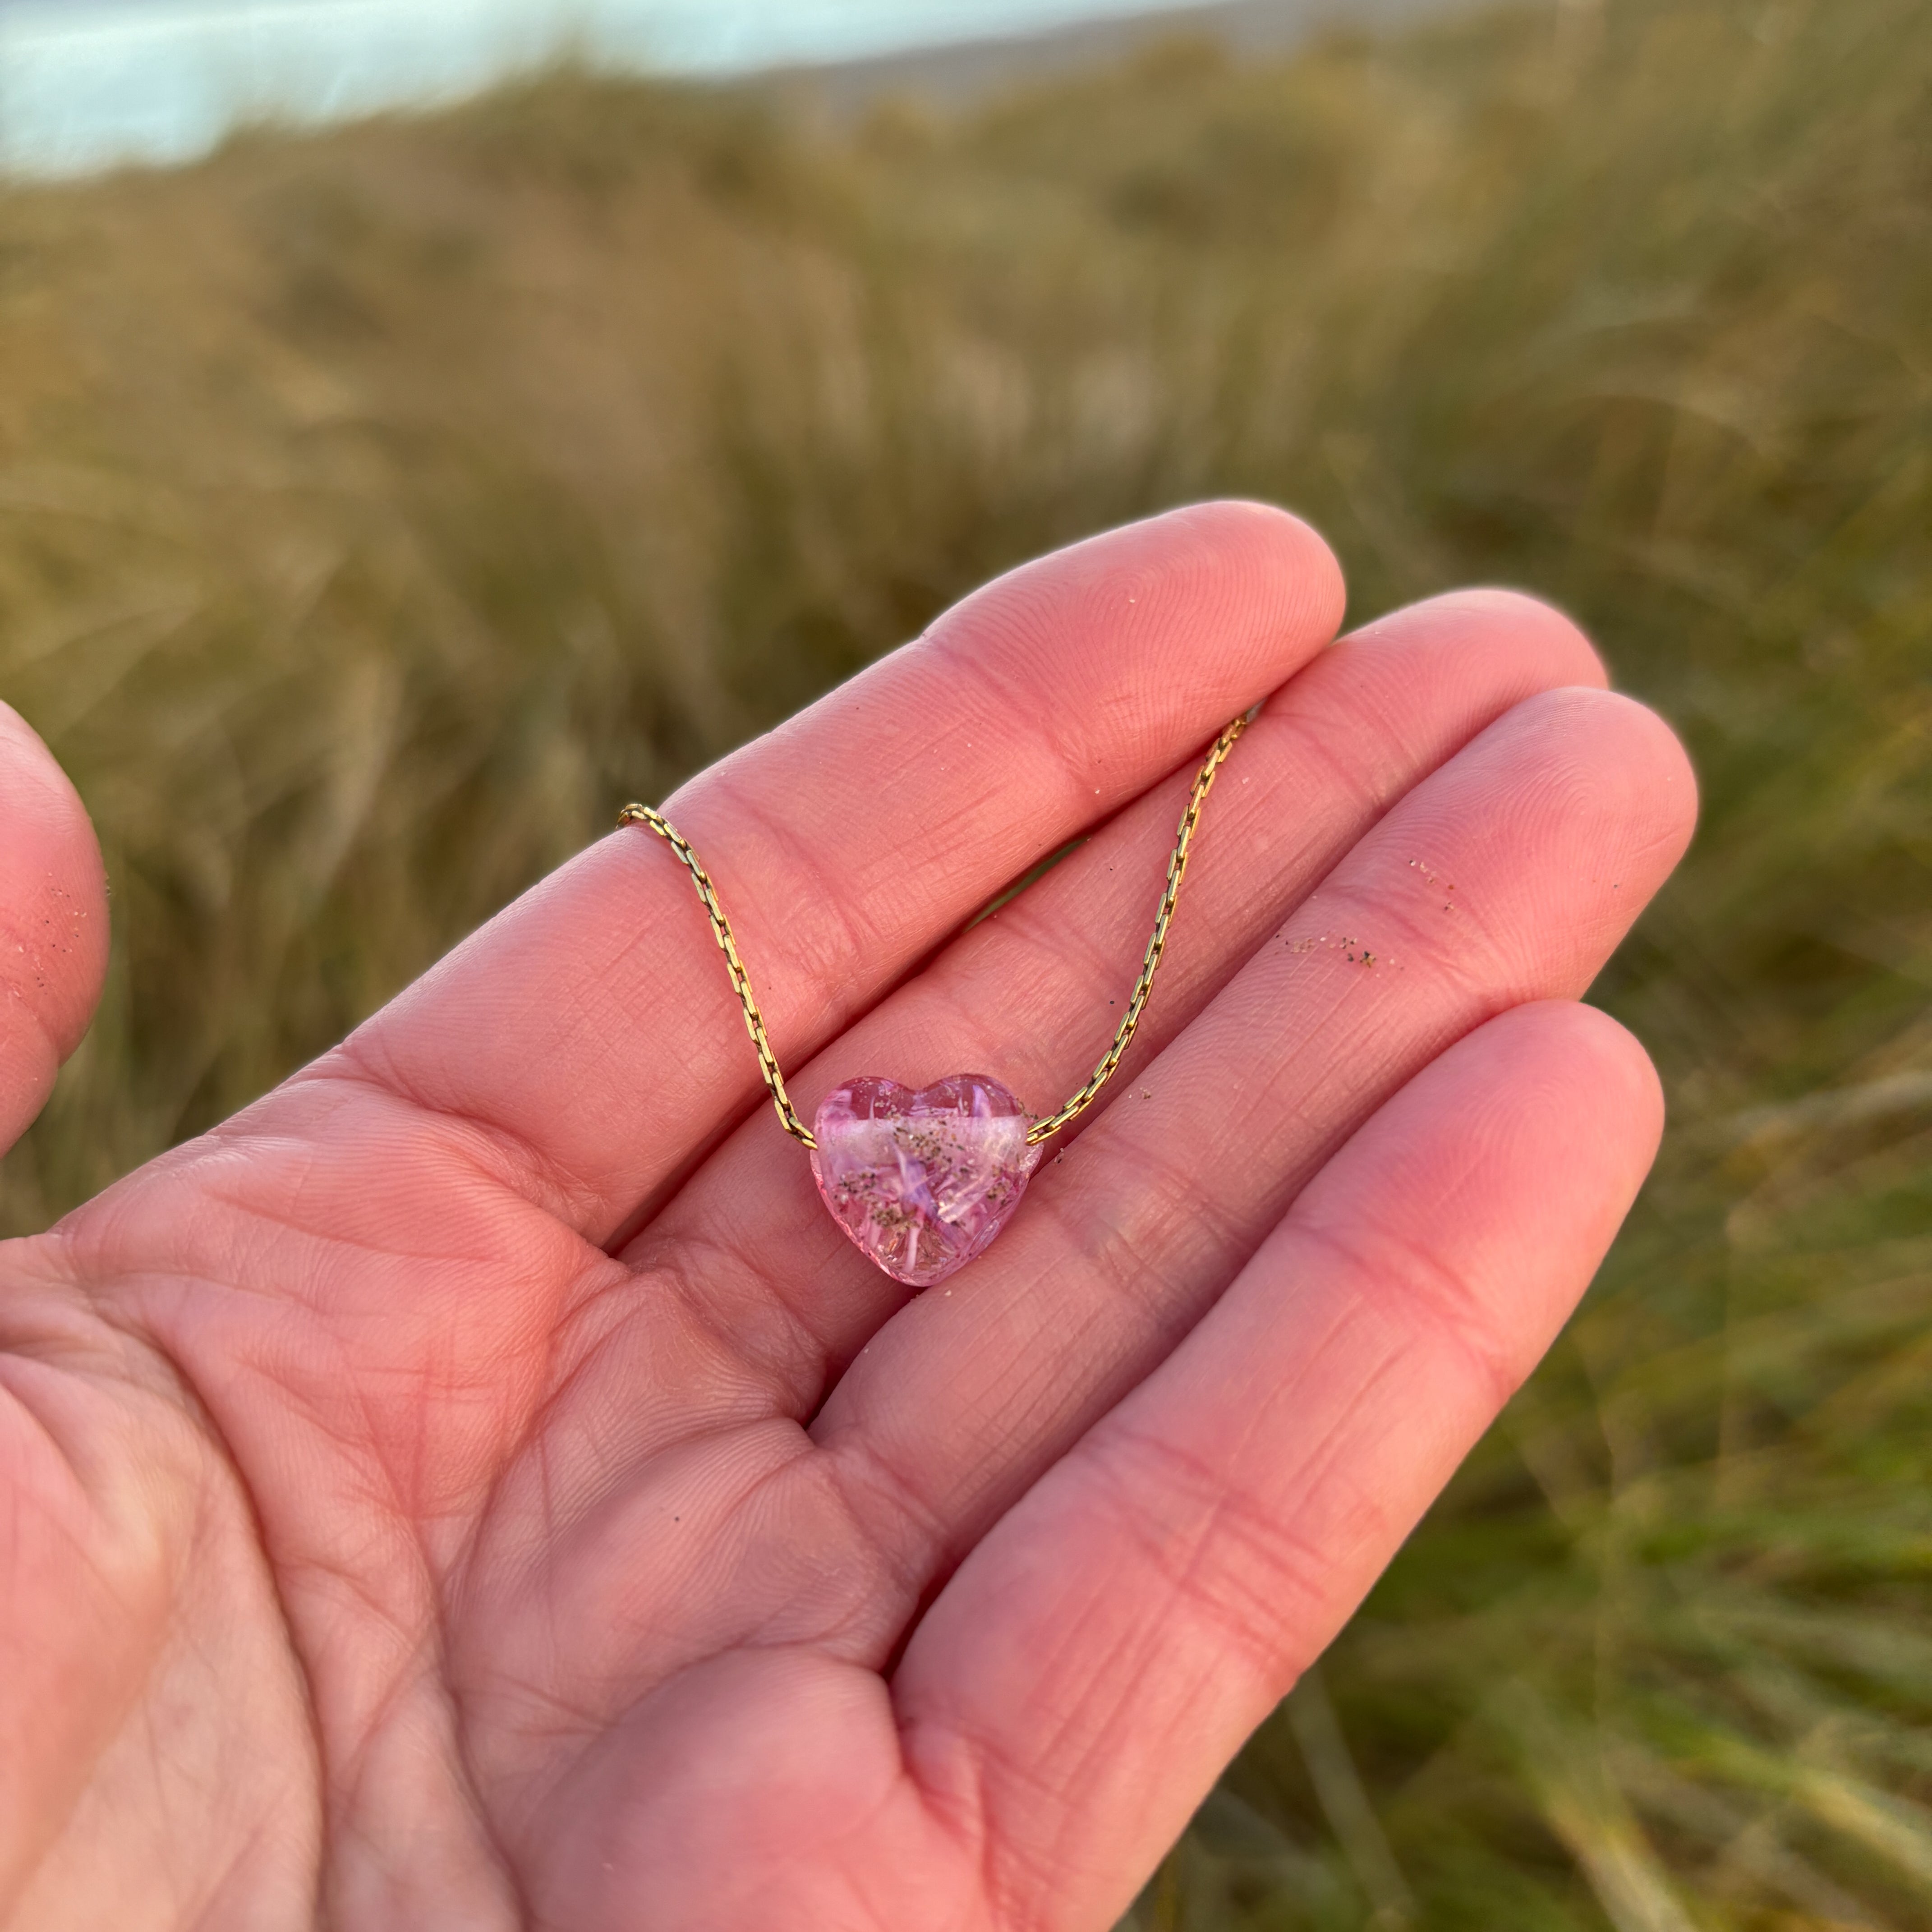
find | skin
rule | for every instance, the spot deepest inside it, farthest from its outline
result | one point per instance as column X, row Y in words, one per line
column 478, row 1486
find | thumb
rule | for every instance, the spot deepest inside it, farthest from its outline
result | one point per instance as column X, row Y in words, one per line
column 53, row 923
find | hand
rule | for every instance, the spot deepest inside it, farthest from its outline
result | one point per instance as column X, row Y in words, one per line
column 478, row 1485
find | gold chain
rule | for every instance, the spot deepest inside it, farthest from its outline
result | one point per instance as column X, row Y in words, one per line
column 741, row 980
column 1176, row 866
column 754, row 1020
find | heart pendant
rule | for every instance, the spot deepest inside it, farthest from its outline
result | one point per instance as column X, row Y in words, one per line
column 922, row 1182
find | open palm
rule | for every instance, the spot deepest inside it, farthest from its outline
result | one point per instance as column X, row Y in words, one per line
column 478, row 1485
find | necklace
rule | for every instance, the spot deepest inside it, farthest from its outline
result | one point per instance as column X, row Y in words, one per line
column 922, row 1182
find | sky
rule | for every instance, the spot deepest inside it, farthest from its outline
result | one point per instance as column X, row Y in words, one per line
column 84, row 84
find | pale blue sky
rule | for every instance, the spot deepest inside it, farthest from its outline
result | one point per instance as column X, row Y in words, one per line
column 84, row 84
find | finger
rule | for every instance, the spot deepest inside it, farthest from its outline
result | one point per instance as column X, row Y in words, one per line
column 1554, row 827
column 53, row 923
column 1082, row 1680
column 591, row 1029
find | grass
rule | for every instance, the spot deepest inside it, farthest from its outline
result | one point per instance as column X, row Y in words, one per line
column 376, row 509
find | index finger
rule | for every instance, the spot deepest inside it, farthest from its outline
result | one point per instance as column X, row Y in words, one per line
column 590, row 1030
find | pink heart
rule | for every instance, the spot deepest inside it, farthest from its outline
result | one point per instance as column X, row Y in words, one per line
column 922, row 1182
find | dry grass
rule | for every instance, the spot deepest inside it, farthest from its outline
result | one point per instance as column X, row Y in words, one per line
column 376, row 510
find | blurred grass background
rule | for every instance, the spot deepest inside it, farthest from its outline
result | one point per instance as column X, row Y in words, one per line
column 378, row 509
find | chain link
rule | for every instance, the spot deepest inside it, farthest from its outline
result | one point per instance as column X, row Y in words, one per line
column 1177, row 865
column 741, row 980
column 1041, row 1130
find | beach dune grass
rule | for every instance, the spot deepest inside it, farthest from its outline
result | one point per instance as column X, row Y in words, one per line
column 379, row 510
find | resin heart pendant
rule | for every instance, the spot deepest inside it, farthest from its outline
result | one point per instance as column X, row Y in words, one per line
column 922, row 1182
